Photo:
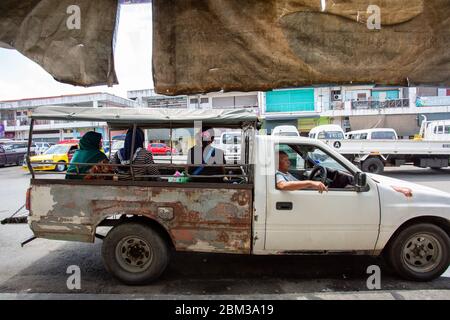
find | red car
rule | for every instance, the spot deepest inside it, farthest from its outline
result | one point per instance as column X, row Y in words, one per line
column 160, row 149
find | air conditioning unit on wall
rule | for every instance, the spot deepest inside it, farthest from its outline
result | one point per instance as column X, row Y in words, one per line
column 337, row 97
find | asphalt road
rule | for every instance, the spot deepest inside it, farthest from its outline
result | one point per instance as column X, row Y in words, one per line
column 40, row 267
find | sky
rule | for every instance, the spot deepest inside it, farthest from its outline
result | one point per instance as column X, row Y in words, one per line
column 22, row 78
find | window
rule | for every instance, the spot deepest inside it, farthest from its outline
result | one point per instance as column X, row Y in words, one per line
column 331, row 135
column 361, row 97
column 193, row 101
column 383, row 135
column 447, row 130
column 303, row 158
column 231, row 139
column 204, row 100
column 363, row 136
column 438, row 129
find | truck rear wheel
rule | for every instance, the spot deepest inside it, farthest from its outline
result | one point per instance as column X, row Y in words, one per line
column 373, row 165
column 135, row 253
column 420, row 252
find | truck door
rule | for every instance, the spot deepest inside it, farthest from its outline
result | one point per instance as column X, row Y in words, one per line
column 341, row 219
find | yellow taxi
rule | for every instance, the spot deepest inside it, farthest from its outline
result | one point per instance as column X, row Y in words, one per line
column 61, row 152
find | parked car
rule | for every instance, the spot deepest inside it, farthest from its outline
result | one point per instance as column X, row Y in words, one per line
column 327, row 132
column 373, row 134
column 12, row 153
column 160, row 149
column 287, row 131
column 41, row 147
column 61, row 152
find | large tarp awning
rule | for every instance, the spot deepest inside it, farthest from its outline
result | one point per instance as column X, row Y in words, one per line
column 71, row 39
column 146, row 115
column 212, row 45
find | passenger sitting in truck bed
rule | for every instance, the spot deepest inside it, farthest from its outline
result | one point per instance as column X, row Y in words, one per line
column 286, row 181
column 204, row 153
column 88, row 152
column 137, row 156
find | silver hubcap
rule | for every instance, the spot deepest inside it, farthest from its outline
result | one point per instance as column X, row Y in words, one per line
column 61, row 167
column 134, row 254
column 422, row 252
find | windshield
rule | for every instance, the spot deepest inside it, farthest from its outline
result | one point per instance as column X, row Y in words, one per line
column 58, row 149
column 336, row 135
column 321, row 158
column 288, row 134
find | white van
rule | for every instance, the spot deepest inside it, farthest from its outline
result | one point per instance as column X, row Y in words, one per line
column 230, row 143
column 327, row 132
column 372, row 134
column 287, row 131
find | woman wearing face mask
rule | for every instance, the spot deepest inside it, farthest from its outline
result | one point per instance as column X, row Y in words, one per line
column 137, row 156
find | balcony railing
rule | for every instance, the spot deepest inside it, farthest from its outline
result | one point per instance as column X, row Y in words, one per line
column 377, row 104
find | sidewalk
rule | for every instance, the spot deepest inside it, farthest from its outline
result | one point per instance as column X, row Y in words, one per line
column 366, row 295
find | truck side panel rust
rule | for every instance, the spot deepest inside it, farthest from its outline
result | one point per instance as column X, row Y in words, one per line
column 196, row 219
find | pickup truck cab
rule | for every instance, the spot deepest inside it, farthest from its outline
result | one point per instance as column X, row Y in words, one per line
column 408, row 224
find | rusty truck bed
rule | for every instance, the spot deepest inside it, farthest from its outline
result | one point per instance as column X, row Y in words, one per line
column 197, row 217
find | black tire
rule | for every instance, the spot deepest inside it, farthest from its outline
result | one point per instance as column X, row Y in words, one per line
column 60, row 168
column 400, row 256
column 168, row 153
column 373, row 165
column 154, row 252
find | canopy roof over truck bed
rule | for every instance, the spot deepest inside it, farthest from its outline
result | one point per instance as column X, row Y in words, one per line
column 148, row 117
column 209, row 45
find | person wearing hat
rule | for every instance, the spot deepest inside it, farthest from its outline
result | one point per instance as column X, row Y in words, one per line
column 88, row 152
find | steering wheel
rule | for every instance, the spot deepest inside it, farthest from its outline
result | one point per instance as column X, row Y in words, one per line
column 320, row 172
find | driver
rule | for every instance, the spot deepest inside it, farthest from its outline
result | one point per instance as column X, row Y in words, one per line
column 286, row 181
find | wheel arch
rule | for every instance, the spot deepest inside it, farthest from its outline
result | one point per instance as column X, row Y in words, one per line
column 440, row 222
column 153, row 223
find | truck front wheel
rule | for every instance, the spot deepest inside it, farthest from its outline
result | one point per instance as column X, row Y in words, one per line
column 373, row 165
column 420, row 252
column 135, row 253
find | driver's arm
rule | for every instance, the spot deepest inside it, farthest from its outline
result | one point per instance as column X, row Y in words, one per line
column 299, row 185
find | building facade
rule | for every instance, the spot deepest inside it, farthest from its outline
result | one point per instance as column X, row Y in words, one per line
column 15, row 122
column 356, row 107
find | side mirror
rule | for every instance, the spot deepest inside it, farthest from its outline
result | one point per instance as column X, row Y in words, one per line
column 360, row 181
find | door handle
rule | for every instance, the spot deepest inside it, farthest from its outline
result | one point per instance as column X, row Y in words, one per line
column 284, row 205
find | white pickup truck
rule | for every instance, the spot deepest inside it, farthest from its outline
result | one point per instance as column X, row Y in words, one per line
column 361, row 213
column 373, row 155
